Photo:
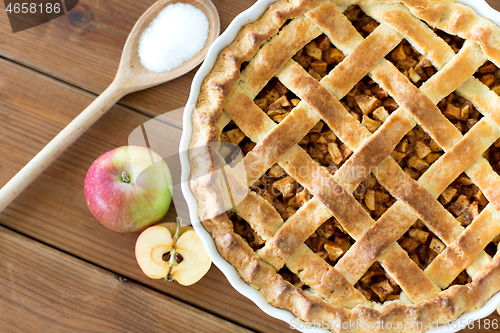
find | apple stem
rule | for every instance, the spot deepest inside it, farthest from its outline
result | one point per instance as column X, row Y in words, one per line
column 173, row 254
column 178, row 220
column 125, row 177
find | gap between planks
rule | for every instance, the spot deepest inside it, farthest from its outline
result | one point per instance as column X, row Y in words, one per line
column 44, row 289
column 45, row 208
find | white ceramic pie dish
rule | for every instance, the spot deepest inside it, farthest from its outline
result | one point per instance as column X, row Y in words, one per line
column 250, row 15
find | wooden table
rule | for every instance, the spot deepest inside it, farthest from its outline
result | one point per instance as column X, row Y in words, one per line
column 60, row 270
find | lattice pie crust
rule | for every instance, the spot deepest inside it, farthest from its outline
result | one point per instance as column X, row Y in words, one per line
column 370, row 132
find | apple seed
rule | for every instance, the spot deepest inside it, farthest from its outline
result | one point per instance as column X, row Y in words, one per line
column 178, row 257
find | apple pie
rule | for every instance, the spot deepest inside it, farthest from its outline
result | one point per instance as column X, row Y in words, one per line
column 369, row 134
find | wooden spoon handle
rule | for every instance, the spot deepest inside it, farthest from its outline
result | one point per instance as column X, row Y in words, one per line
column 62, row 141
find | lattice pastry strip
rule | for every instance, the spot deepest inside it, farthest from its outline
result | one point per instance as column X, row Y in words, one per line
column 332, row 122
column 461, row 61
column 323, row 104
column 459, row 58
column 410, row 287
column 458, row 69
column 333, row 113
column 437, row 219
column 289, row 41
column 238, row 106
column 266, row 221
column 460, row 254
column 396, row 140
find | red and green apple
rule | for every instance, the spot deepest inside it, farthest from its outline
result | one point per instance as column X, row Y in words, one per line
column 128, row 188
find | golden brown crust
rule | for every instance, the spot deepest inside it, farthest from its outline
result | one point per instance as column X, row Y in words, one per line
column 460, row 254
column 332, row 295
column 374, row 242
column 277, row 142
column 374, row 150
column 294, row 233
column 331, row 111
column 462, row 155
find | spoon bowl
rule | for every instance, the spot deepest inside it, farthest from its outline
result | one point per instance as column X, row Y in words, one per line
column 131, row 69
column 131, row 76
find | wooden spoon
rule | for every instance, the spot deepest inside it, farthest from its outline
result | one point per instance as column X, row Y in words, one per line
column 131, row 76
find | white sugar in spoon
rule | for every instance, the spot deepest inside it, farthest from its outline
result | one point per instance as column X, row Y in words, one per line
column 131, row 76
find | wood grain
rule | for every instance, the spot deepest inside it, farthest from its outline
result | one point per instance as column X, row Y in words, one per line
column 490, row 324
column 45, row 290
column 53, row 210
column 83, row 49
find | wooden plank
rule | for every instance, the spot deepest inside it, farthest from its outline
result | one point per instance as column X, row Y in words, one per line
column 53, row 210
column 45, row 290
column 490, row 324
column 34, row 108
column 84, row 48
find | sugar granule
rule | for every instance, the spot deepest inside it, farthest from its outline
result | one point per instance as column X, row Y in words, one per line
column 178, row 33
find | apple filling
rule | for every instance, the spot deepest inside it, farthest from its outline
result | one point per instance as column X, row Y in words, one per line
column 374, row 197
column 363, row 23
column 319, row 57
column 369, row 104
column 276, row 100
column 489, row 74
column 416, row 152
column 325, row 148
column 411, row 63
column 330, row 241
column 464, row 200
column 281, row 191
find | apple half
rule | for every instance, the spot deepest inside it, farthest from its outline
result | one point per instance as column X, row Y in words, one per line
column 171, row 252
